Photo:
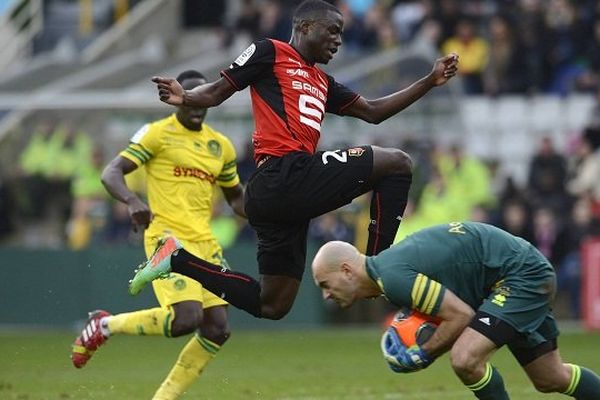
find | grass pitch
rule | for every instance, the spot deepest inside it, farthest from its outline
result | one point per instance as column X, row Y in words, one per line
column 327, row 364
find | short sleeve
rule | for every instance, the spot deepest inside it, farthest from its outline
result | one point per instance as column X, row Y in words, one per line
column 404, row 286
column 251, row 65
column 228, row 176
column 339, row 97
column 142, row 145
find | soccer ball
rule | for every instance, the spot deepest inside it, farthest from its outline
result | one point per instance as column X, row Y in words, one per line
column 413, row 327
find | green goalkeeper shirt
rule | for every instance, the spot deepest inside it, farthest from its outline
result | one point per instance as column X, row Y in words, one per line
column 469, row 258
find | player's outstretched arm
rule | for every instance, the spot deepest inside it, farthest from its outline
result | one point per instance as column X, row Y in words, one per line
column 208, row 95
column 113, row 179
column 456, row 316
column 378, row 110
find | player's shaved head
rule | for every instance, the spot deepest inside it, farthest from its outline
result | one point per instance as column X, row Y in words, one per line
column 339, row 269
column 333, row 254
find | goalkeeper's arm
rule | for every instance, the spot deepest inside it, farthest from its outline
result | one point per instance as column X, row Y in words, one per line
column 455, row 316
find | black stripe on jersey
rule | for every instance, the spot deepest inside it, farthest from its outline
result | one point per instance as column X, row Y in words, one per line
column 269, row 89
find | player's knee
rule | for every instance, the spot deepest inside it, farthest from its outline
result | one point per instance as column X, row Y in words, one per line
column 402, row 162
column 390, row 161
column 546, row 386
column 185, row 323
column 465, row 365
column 216, row 333
column 274, row 311
column 552, row 382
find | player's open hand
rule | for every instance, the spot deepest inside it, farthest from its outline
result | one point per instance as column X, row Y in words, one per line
column 444, row 69
column 169, row 90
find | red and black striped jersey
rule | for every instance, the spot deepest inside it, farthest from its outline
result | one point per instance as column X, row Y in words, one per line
column 289, row 97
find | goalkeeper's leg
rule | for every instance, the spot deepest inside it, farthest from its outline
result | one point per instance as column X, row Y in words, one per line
column 469, row 358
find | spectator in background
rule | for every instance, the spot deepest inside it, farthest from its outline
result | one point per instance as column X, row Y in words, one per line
column 248, row 20
column 515, row 219
column 505, row 71
column 530, row 28
column 448, row 14
column 589, row 80
column 90, row 203
column 568, row 276
column 33, row 182
column 274, row 23
column 467, row 177
column 547, row 177
column 474, row 53
column 562, row 36
column 584, row 181
column 549, row 236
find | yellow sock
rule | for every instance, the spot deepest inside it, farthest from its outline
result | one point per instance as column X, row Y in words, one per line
column 192, row 360
column 155, row 321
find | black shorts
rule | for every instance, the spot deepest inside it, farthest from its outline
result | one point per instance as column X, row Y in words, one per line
column 525, row 346
column 285, row 193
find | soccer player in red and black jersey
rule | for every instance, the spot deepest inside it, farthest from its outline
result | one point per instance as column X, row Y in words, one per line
column 295, row 183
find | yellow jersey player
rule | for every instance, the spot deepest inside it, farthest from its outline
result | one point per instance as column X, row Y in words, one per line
column 184, row 159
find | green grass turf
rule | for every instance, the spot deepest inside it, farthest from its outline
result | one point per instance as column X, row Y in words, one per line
column 291, row 365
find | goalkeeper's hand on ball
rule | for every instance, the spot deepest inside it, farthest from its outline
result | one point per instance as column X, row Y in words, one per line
column 401, row 358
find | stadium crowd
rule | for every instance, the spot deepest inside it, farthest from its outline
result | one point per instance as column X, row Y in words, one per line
column 516, row 46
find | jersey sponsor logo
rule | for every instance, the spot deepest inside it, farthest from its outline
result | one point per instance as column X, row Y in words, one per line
column 499, row 300
column 193, row 173
column 297, row 72
column 214, row 148
column 295, row 61
column 356, row 152
column 244, row 57
column 137, row 137
column 457, row 227
column 310, row 89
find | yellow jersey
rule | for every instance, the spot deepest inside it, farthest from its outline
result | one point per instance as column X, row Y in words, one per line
column 182, row 168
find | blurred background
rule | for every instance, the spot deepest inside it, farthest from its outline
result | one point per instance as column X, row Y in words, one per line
column 512, row 141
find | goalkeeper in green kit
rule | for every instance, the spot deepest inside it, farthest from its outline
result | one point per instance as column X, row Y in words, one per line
column 487, row 287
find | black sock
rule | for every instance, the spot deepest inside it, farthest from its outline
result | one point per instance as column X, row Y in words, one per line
column 238, row 289
column 387, row 207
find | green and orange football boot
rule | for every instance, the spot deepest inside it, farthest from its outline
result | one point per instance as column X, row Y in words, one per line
column 158, row 266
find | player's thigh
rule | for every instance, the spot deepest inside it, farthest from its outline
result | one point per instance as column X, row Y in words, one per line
column 281, row 251
column 335, row 179
column 300, row 186
column 178, row 288
column 527, row 347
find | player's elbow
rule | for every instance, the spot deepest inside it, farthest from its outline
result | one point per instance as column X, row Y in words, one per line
column 374, row 119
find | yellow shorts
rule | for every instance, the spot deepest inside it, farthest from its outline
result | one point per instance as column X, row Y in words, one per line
column 177, row 288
